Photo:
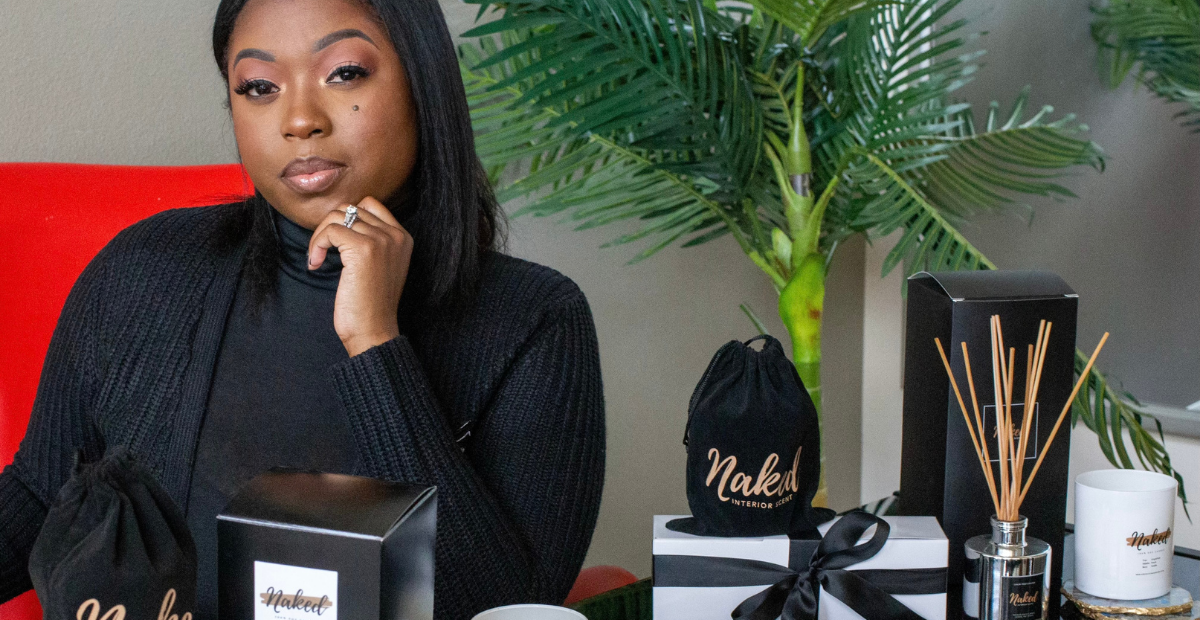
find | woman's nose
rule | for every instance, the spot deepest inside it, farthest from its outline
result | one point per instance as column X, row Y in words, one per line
column 305, row 117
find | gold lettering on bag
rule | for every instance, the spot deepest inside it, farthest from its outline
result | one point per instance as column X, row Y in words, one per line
column 769, row 483
column 93, row 606
column 91, row 610
column 164, row 612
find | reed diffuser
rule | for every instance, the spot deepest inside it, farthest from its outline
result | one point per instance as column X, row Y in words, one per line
column 1008, row 568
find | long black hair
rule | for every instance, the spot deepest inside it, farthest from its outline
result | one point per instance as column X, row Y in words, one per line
column 452, row 212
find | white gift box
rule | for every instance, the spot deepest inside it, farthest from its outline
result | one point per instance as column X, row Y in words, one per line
column 913, row 543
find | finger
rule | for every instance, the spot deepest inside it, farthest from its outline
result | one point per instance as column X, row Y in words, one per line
column 369, row 211
column 338, row 216
column 334, row 235
column 366, row 224
column 374, row 213
column 322, row 239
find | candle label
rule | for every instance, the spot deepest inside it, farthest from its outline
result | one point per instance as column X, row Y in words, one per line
column 1152, row 552
column 1022, row 597
column 283, row 592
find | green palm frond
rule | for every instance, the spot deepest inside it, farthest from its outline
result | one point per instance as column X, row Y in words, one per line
column 652, row 75
column 596, row 89
column 774, row 91
column 900, row 65
column 983, row 170
column 505, row 133
column 593, row 179
column 895, row 68
column 809, row 19
column 930, row 242
column 1161, row 38
column 1110, row 414
column 903, row 66
column 617, row 185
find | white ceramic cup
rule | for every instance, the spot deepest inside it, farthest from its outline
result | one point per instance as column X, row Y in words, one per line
column 530, row 612
column 1124, row 538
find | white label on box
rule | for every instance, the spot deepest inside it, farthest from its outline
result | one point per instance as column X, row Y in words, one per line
column 283, row 592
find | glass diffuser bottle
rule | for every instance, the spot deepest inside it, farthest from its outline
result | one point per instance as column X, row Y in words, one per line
column 1014, row 578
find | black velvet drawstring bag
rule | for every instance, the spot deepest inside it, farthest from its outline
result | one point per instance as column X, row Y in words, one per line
column 114, row 545
column 753, row 446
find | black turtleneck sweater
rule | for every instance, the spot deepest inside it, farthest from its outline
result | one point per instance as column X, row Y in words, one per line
column 272, row 400
column 134, row 362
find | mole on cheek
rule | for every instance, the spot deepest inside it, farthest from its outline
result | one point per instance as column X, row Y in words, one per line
column 355, row 108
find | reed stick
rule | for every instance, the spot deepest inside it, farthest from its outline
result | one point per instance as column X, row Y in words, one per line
column 987, row 457
column 1037, row 358
column 1083, row 376
column 1013, row 458
column 1037, row 378
column 998, row 394
column 1030, row 360
column 970, row 429
column 1023, row 443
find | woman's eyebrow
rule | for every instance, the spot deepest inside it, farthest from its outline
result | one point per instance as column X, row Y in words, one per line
column 334, row 37
column 326, row 41
column 251, row 52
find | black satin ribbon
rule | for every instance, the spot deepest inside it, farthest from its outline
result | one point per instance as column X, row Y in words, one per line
column 793, row 593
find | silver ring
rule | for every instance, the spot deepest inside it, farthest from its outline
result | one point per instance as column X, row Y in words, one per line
column 351, row 216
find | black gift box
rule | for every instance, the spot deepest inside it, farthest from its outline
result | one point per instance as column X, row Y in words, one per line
column 312, row 546
column 940, row 473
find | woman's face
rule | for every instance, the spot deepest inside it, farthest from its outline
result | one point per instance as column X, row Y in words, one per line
column 321, row 105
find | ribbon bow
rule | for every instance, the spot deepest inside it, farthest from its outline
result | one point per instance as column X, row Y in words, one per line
column 796, row 596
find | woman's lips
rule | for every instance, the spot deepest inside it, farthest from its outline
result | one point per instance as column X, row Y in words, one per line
column 312, row 175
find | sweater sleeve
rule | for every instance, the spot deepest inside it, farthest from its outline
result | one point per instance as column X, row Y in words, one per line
column 59, row 425
column 516, row 518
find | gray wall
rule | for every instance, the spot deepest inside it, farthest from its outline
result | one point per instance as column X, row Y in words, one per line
column 1128, row 244
column 111, row 82
column 133, row 82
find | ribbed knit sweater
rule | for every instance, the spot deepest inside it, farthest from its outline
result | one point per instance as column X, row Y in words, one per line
column 272, row 401
column 131, row 361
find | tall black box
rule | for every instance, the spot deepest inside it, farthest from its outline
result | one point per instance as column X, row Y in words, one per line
column 295, row 545
column 940, row 473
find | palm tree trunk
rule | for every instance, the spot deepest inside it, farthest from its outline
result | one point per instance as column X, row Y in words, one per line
column 801, row 304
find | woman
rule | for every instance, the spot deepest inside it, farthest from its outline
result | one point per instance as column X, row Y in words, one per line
column 351, row 317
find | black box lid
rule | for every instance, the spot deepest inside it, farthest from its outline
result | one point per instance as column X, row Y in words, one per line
column 982, row 285
column 331, row 503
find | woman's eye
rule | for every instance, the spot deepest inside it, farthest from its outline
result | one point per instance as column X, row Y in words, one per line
column 254, row 89
column 346, row 73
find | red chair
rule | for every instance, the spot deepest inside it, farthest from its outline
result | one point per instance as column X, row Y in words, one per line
column 598, row 580
column 58, row 216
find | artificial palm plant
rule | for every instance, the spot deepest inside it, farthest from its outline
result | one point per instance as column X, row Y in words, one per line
column 1161, row 39
column 788, row 125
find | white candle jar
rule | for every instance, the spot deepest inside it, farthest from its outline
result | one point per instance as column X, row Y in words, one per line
column 1124, row 538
